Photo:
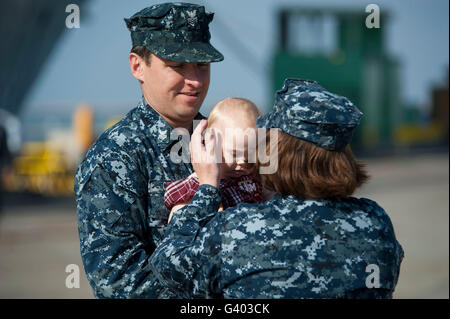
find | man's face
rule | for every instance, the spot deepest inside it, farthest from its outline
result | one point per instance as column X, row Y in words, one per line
column 176, row 90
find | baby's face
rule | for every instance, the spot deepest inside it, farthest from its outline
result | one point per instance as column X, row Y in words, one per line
column 238, row 147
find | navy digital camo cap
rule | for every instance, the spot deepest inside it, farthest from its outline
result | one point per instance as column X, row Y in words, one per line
column 306, row 110
column 174, row 31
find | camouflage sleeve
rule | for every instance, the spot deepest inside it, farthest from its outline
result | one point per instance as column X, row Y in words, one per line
column 112, row 242
column 187, row 261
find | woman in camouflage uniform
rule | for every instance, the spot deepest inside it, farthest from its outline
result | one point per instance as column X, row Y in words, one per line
column 311, row 240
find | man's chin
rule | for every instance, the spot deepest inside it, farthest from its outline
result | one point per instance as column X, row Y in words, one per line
column 187, row 109
column 186, row 115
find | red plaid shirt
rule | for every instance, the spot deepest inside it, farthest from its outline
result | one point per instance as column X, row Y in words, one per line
column 244, row 189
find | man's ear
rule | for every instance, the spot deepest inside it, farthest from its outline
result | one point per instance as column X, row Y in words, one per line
column 137, row 66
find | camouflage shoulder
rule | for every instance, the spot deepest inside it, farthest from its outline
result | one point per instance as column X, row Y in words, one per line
column 114, row 150
column 386, row 221
column 372, row 207
column 244, row 213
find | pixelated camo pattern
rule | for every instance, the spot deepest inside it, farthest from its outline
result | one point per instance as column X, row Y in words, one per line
column 306, row 110
column 122, row 217
column 175, row 31
column 284, row 248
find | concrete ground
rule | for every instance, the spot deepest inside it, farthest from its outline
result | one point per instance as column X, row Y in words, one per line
column 38, row 236
column 414, row 191
column 38, row 239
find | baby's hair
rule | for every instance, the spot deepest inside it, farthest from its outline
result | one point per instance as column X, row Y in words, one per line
column 234, row 107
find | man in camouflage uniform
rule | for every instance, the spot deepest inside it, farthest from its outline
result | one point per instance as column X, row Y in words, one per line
column 119, row 186
column 287, row 247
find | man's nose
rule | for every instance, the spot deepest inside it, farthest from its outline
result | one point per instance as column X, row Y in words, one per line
column 193, row 74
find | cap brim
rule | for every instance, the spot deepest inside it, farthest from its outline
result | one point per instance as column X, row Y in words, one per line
column 197, row 52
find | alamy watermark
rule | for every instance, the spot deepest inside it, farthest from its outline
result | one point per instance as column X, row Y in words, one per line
column 373, row 279
column 73, row 19
column 373, row 19
column 73, row 279
column 252, row 142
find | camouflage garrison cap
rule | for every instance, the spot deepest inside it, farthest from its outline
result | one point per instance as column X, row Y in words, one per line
column 174, row 31
column 306, row 110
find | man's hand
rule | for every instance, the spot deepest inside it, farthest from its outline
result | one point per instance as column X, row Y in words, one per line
column 205, row 158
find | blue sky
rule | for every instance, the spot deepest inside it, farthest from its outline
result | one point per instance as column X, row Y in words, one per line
column 90, row 64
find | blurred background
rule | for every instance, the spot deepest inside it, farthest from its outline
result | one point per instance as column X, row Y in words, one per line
column 61, row 87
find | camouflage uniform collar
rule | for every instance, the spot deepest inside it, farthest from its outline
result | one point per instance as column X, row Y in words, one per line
column 292, row 198
column 159, row 128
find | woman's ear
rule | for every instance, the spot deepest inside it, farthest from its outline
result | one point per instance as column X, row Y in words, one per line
column 137, row 66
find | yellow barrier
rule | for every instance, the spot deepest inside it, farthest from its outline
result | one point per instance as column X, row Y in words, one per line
column 40, row 169
column 414, row 134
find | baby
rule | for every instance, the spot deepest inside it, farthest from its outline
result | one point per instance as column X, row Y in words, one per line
column 235, row 120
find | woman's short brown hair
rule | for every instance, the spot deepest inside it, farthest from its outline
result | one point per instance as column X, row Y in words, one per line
column 308, row 171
